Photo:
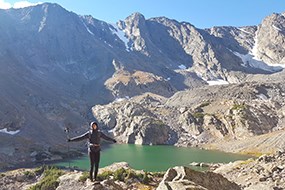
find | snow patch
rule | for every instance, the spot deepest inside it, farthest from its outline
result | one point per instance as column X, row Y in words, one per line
column 182, row 66
column 217, row 82
column 276, row 28
column 111, row 130
column 243, row 30
column 254, row 50
column 262, row 97
column 9, row 132
column 249, row 60
column 88, row 30
column 119, row 99
column 43, row 21
column 108, row 44
column 168, row 79
column 121, row 34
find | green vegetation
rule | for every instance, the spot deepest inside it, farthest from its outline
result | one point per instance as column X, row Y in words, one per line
column 238, row 107
column 158, row 174
column 124, row 175
column 29, row 174
column 49, row 180
column 39, row 170
column 158, row 123
column 198, row 115
column 145, row 179
column 120, row 174
column 246, row 161
column 204, row 104
column 84, row 177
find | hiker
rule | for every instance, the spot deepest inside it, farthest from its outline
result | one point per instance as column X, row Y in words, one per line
column 94, row 135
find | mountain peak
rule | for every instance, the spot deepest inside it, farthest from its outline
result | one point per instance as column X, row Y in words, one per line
column 136, row 16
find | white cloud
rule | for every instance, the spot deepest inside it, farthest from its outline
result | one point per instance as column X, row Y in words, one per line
column 16, row 5
column 5, row 5
column 22, row 4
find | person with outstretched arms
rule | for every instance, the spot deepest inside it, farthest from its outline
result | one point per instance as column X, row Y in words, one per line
column 94, row 136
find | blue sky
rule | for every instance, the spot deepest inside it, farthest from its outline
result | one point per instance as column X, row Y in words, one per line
column 201, row 13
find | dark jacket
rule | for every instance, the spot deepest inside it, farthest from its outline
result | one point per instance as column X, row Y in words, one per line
column 94, row 139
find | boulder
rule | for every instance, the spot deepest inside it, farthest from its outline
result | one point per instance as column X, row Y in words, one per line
column 183, row 178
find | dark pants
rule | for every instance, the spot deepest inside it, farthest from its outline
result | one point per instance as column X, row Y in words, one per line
column 94, row 160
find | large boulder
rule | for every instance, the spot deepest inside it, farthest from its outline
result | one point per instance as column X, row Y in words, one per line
column 184, row 178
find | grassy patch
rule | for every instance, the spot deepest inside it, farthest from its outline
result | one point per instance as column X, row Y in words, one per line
column 49, row 180
column 198, row 115
column 253, row 153
column 84, row 177
column 246, row 161
column 238, row 107
column 39, row 170
column 29, row 174
column 158, row 123
column 120, row 174
column 124, row 175
column 204, row 104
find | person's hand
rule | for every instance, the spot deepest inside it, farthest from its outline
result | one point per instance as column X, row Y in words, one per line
column 114, row 141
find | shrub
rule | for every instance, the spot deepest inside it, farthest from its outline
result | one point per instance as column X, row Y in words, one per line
column 198, row 115
column 84, row 177
column 29, row 174
column 124, row 175
column 104, row 175
column 204, row 104
column 158, row 123
column 238, row 107
column 39, row 170
column 145, row 179
column 120, row 174
column 49, row 180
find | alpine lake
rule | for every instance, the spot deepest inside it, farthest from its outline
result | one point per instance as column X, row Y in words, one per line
column 153, row 158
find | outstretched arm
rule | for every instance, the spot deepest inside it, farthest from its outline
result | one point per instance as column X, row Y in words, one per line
column 102, row 135
column 79, row 138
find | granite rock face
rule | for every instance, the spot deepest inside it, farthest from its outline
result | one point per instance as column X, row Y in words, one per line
column 132, row 123
column 185, row 178
column 270, row 39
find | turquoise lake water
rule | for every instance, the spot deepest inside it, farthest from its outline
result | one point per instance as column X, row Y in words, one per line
column 154, row 158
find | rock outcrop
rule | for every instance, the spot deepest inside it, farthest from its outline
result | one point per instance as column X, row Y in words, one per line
column 184, row 178
column 132, row 122
column 266, row 172
column 270, row 39
column 213, row 114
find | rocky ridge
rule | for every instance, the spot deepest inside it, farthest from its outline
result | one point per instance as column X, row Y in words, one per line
column 201, row 116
